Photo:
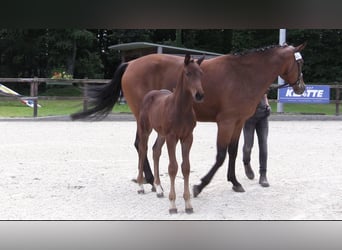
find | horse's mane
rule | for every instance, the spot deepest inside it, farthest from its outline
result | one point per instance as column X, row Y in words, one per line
column 258, row 50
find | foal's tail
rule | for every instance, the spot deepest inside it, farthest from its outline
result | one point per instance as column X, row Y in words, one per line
column 102, row 98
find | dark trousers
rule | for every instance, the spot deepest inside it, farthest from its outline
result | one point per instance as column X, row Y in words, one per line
column 260, row 125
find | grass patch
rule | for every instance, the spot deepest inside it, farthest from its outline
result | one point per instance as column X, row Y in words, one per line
column 326, row 109
column 61, row 91
column 14, row 108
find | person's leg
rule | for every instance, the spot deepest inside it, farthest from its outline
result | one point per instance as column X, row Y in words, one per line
column 262, row 133
column 248, row 133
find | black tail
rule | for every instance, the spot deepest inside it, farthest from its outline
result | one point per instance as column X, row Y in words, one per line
column 102, row 98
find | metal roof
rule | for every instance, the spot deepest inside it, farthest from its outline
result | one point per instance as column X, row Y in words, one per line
column 165, row 48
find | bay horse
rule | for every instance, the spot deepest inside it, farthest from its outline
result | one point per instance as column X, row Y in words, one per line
column 233, row 86
column 172, row 116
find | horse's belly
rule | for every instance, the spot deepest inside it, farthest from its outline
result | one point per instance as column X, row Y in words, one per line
column 205, row 112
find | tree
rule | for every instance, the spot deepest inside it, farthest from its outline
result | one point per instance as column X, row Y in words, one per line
column 85, row 53
column 214, row 40
column 322, row 54
column 22, row 53
column 251, row 39
column 74, row 50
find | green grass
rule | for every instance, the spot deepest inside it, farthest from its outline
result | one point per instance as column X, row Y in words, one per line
column 327, row 109
column 14, row 108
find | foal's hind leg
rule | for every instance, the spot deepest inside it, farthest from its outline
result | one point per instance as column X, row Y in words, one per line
column 146, row 165
column 186, row 146
column 147, row 169
column 156, row 156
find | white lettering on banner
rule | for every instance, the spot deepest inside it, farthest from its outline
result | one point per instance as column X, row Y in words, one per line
column 312, row 94
column 307, row 93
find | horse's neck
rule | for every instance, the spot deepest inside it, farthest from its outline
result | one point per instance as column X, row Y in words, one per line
column 264, row 69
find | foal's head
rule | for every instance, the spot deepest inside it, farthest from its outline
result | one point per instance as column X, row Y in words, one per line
column 192, row 77
column 293, row 71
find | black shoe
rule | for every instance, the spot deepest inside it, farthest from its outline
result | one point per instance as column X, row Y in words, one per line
column 249, row 171
column 263, row 180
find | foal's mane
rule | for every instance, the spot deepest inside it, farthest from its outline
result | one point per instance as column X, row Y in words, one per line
column 258, row 50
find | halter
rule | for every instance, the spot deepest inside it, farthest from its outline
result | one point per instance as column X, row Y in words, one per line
column 299, row 61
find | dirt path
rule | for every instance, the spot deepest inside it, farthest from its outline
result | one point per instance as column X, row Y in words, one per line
column 82, row 171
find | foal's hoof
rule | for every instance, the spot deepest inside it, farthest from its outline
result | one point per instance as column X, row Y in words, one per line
column 196, row 190
column 141, row 191
column 160, row 195
column 238, row 189
column 189, row 210
column 173, row 210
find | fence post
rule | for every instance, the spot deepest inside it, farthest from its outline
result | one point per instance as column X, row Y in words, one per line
column 337, row 101
column 34, row 94
column 85, row 96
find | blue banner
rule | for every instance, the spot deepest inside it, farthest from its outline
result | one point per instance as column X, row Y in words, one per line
column 312, row 94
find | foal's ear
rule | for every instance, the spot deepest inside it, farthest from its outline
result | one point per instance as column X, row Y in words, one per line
column 200, row 60
column 300, row 47
column 187, row 59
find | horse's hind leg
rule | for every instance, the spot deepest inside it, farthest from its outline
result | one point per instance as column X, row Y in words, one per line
column 173, row 168
column 157, row 148
column 186, row 145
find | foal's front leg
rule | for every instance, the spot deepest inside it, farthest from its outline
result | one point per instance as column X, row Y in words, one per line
column 186, row 146
column 171, row 142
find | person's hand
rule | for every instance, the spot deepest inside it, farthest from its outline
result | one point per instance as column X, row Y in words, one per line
column 268, row 110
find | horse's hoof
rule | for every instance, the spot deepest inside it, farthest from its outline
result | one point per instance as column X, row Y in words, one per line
column 173, row 210
column 238, row 189
column 189, row 210
column 153, row 189
column 160, row 195
column 141, row 191
column 196, row 190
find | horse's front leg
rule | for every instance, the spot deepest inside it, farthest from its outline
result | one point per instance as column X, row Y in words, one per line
column 186, row 146
column 171, row 142
column 157, row 149
column 223, row 137
column 232, row 151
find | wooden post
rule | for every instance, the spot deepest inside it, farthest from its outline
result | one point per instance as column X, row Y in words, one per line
column 85, row 96
column 34, row 93
column 337, row 101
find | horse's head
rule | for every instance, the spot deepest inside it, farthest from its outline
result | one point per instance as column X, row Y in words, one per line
column 293, row 72
column 193, row 74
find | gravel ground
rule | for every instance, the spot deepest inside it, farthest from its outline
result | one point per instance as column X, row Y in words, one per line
column 57, row 169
